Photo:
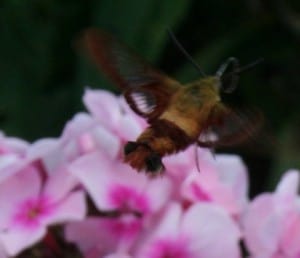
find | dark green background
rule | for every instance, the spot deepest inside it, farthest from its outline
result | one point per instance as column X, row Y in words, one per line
column 42, row 77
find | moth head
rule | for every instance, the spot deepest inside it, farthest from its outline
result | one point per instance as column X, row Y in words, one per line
column 153, row 164
column 229, row 73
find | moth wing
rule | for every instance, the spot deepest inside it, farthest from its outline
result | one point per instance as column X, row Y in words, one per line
column 227, row 126
column 146, row 89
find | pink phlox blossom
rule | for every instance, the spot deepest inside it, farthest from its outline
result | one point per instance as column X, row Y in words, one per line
column 98, row 237
column 12, row 145
column 84, row 134
column 110, row 124
column 113, row 185
column 16, row 154
column 222, row 180
column 202, row 230
column 29, row 203
column 12, row 151
column 115, row 188
column 271, row 222
column 180, row 165
column 113, row 113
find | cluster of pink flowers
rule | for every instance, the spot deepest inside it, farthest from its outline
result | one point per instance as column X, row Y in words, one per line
column 106, row 209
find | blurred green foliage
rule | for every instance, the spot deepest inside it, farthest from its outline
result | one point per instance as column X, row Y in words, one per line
column 43, row 77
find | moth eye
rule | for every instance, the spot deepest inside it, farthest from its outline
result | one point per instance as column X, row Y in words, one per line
column 229, row 83
column 228, row 74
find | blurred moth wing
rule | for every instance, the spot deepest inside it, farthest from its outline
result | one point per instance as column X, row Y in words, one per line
column 146, row 89
column 228, row 126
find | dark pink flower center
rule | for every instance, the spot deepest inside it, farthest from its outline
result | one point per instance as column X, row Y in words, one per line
column 128, row 199
column 32, row 211
column 170, row 248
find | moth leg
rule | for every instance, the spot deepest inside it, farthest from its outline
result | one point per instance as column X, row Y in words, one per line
column 209, row 145
column 197, row 158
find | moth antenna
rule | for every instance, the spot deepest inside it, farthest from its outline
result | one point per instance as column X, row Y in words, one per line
column 246, row 67
column 249, row 66
column 185, row 53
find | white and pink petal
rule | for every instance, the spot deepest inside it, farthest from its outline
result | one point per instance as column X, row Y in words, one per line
column 18, row 239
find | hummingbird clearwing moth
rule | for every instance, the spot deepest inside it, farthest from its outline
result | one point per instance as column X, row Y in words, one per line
column 178, row 115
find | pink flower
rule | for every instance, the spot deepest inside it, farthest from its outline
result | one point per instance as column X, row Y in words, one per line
column 203, row 230
column 29, row 203
column 222, row 180
column 180, row 165
column 17, row 154
column 115, row 188
column 84, row 134
column 272, row 221
column 12, row 145
column 110, row 124
column 12, row 150
column 113, row 185
column 114, row 114
column 98, row 237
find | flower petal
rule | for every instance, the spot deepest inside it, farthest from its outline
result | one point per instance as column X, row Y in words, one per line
column 233, row 173
column 71, row 208
column 59, row 184
column 261, row 226
column 85, row 234
column 162, row 233
column 7, row 165
column 24, row 185
column 128, row 128
column 17, row 240
column 102, row 176
column 213, row 233
column 103, row 105
column 89, row 171
column 107, row 141
column 169, row 224
column 289, row 183
column 158, row 192
column 290, row 241
column 97, row 236
column 79, row 124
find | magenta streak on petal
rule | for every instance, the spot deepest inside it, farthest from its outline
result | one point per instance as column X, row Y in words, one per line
column 199, row 193
column 31, row 212
column 169, row 248
column 128, row 199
